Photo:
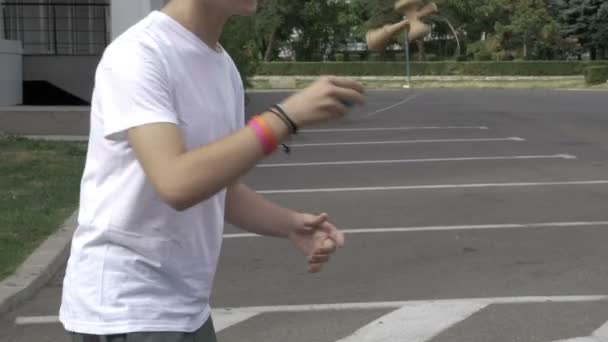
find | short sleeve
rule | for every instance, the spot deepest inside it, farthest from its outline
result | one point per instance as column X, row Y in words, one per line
column 134, row 90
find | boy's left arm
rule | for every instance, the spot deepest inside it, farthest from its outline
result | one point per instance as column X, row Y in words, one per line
column 313, row 235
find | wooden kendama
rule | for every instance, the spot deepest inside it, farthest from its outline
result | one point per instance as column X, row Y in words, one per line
column 377, row 39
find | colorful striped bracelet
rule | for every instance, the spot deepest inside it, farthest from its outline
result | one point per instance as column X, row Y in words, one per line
column 264, row 134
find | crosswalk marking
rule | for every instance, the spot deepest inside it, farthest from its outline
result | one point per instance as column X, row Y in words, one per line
column 224, row 319
column 415, row 323
column 412, row 321
column 600, row 335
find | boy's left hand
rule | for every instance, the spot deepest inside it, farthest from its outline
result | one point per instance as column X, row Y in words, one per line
column 316, row 238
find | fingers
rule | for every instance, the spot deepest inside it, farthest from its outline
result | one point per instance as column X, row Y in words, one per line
column 346, row 83
column 334, row 233
column 328, row 246
column 321, row 256
column 347, row 95
column 317, row 221
column 318, row 259
column 314, row 268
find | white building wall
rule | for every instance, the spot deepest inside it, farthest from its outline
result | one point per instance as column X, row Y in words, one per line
column 11, row 89
column 127, row 13
column 52, row 62
column 74, row 74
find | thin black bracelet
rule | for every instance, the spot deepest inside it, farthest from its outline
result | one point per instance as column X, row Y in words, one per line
column 285, row 121
column 286, row 148
column 294, row 127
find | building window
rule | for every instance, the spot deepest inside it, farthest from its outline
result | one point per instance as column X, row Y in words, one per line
column 58, row 28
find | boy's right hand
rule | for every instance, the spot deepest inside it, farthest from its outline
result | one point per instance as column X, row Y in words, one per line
column 323, row 101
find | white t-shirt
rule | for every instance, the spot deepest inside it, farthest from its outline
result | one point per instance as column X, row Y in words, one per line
column 136, row 264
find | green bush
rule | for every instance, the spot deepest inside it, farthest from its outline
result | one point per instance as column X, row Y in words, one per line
column 596, row 75
column 525, row 68
column 355, row 57
column 375, row 56
column 317, row 57
column 389, row 56
column 339, row 57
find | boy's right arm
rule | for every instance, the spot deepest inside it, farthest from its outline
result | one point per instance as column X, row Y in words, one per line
column 185, row 178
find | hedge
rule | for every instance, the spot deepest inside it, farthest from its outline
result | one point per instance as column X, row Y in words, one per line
column 523, row 68
column 596, row 75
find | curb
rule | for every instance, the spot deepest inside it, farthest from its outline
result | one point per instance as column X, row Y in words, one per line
column 39, row 268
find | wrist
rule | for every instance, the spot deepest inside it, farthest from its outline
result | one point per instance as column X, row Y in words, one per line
column 291, row 112
column 292, row 223
column 278, row 127
column 269, row 130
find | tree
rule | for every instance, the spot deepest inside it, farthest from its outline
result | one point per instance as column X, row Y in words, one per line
column 468, row 16
column 307, row 27
column 274, row 22
column 519, row 22
column 585, row 20
column 320, row 26
column 238, row 40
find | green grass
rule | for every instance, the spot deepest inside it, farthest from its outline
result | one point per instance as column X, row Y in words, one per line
column 39, row 189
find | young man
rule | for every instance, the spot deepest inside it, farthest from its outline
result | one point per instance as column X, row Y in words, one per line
column 168, row 144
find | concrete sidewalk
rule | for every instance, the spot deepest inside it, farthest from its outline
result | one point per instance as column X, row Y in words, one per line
column 292, row 82
column 43, row 120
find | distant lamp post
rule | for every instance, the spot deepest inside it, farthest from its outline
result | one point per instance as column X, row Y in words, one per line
column 411, row 25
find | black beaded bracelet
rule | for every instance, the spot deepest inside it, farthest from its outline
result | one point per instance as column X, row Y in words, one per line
column 280, row 116
column 281, row 112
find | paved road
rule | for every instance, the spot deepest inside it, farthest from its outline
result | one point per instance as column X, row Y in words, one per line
column 471, row 215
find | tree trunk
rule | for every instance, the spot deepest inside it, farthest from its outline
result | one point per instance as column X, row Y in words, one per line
column 593, row 53
column 421, row 52
column 526, row 45
column 268, row 54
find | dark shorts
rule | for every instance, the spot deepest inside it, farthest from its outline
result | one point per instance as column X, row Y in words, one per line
column 205, row 334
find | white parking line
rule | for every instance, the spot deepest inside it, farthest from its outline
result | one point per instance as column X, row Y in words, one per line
column 433, row 187
column 381, row 129
column 36, row 320
column 235, row 314
column 423, row 141
column 423, row 160
column 599, row 224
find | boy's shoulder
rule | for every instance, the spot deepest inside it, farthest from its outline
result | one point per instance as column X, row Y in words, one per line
column 139, row 41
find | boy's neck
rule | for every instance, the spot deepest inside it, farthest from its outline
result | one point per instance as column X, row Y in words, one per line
column 206, row 22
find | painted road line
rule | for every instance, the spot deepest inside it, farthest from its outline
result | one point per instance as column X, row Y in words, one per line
column 224, row 319
column 415, row 323
column 36, row 320
column 71, row 138
column 394, row 142
column 600, row 335
column 229, row 313
column 598, row 224
column 433, row 187
column 382, row 129
column 423, row 160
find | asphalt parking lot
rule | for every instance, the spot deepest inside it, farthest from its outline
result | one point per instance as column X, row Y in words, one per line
column 471, row 215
